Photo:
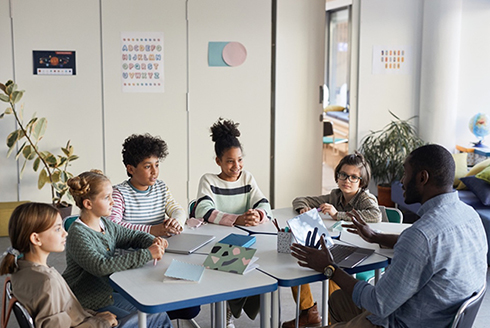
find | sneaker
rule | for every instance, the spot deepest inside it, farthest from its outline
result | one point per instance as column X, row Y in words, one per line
column 307, row 318
column 229, row 319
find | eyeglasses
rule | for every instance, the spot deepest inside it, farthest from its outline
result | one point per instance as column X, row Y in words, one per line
column 345, row 176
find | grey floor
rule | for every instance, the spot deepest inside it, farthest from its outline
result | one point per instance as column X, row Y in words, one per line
column 203, row 319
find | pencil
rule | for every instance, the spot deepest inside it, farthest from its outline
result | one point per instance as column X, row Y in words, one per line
column 155, row 262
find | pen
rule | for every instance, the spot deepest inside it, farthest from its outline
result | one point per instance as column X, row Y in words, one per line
column 274, row 221
column 155, row 262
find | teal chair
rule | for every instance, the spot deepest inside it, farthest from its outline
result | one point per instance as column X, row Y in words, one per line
column 69, row 220
column 389, row 214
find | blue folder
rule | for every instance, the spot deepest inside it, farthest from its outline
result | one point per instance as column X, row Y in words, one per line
column 238, row 240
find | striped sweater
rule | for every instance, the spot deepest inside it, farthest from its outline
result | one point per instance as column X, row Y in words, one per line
column 139, row 210
column 221, row 202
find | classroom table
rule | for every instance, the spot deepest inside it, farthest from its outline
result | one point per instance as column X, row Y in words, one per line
column 145, row 289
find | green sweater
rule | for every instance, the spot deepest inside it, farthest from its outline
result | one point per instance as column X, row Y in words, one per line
column 90, row 259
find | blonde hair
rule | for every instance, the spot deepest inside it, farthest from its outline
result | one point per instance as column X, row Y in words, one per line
column 86, row 186
column 25, row 220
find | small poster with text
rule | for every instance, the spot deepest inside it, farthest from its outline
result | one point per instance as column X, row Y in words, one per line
column 142, row 62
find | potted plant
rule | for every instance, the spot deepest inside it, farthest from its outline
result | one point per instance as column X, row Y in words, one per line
column 54, row 168
column 386, row 150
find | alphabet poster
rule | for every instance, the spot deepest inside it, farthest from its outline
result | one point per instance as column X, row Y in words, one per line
column 142, row 62
column 392, row 59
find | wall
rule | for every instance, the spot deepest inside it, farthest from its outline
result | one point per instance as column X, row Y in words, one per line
column 300, row 49
column 474, row 82
column 387, row 23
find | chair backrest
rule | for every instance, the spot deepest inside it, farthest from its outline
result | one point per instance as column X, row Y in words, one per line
column 192, row 207
column 468, row 310
column 68, row 221
column 23, row 317
column 394, row 215
column 327, row 128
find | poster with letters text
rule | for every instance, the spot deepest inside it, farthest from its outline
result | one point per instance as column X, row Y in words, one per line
column 142, row 62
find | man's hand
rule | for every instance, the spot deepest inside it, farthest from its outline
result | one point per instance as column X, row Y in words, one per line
column 317, row 259
column 360, row 227
column 108, row 316
column 311, row 237
column 166, row 228
column 249, row 218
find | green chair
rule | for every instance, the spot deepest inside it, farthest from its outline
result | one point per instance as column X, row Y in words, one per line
column 69, row 220
column 389, row 214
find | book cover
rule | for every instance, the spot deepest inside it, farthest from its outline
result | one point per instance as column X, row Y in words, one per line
column 238, row 240
column 231, row 258
column 183, row 271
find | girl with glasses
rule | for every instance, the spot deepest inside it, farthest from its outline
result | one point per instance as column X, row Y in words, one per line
column 352, row 175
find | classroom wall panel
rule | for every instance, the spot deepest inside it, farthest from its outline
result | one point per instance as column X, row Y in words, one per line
column 300, row 67
column 240, row 93
column 8, row 167
column 72, row 104
column 163, row 114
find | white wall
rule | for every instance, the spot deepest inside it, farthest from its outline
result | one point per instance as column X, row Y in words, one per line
column 300, row 70
column 474, row 82
column 8, row 166
column 387, row 23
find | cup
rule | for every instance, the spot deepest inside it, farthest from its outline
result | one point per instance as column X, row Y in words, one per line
column 284, row 242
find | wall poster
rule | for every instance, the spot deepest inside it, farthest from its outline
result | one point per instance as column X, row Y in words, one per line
column 142, row 62
column 392, row 59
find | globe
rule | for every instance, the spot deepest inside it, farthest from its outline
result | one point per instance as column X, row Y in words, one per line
column 480, row 127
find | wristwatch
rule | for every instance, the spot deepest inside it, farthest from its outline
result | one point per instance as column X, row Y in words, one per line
column 330, row 270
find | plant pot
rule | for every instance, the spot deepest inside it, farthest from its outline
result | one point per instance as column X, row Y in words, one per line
column 6, row 209
column 384, row 196
column 65, row 209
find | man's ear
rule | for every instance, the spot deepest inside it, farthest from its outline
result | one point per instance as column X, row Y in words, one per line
column 34, row 239
column 424, row 177
column 87, row 203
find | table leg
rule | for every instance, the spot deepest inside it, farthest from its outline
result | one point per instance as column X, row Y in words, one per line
column 377, row 275
column 265, row 310
column 220, row 314
column 141, row 319
column 275, row 309
column 298, row 301
column 325, row 284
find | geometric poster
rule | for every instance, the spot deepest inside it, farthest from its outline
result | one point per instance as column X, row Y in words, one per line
column 226, row 54
column 142, row 62
column 392, row 60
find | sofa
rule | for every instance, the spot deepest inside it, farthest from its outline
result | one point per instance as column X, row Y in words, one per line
column 466, row 196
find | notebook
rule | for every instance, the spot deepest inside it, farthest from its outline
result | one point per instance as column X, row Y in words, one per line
column 179, row 271
column 187, row 243
column 238, row 240
column 231, row 258
column 345, row 256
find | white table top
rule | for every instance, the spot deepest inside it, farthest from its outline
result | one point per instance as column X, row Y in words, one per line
column 145, row 289
column 286, row 269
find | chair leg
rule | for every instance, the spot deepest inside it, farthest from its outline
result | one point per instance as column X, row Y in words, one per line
column 194, row 323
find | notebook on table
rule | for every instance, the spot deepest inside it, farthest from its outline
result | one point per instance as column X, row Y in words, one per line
column 231, row 258
column 238, row 240
column 345, row 256
column 187, row 243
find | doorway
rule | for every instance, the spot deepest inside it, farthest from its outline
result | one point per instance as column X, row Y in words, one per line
column 336, row 95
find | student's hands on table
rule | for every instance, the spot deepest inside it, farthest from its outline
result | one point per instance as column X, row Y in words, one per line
column 167, row 228
column 309, row 257
column 329, row 209
column 108, row 316
column 157, row 249
column 249, row 218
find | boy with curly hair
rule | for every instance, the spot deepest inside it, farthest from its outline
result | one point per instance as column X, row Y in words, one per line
column 143, row 202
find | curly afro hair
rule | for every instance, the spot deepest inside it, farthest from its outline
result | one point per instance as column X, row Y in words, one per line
column 136, row 148
column 225, row 135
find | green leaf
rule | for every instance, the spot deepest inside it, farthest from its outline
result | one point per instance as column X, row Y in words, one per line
column 50, row 159
column 65, row 151
column 3, row 87
column 72, row 158
column 8, row 111
column 63, row 176
column 13, row 138
column 21, row 150
column 43, row 179
column 39, row 128
column 11, row 87
column 22, row 169
column 55, row 177
column 36, row 163
column 4, row 98
column 17, row 96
